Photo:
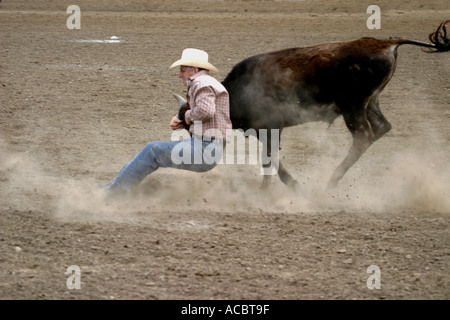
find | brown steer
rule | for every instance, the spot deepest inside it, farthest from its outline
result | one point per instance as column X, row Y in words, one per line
column 318, row 83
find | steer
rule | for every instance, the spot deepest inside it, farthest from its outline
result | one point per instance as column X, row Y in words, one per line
column 285, row 88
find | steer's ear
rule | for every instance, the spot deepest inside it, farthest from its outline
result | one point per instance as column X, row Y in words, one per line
column 180, row 99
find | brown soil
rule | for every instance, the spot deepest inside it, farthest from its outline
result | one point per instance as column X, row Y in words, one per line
column 73, row 113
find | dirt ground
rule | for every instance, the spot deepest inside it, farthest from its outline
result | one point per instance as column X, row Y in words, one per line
column 74, row 111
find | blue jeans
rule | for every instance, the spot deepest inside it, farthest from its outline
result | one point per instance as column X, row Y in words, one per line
column 191, row 154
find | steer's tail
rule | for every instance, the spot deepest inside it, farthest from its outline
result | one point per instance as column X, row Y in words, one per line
column 439, row 40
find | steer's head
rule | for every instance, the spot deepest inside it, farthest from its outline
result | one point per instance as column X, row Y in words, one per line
column 180, row 99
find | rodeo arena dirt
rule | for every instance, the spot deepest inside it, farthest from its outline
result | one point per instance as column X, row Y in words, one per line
column 79, row 101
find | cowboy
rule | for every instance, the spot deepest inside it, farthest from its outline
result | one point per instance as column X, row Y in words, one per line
column 208, row 121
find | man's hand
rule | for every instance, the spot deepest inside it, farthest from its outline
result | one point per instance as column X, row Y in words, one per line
column 176, row 123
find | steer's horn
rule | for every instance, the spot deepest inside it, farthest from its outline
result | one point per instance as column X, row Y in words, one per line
column 180, row 99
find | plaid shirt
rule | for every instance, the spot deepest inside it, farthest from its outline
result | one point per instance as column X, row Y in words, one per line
column 210, row 106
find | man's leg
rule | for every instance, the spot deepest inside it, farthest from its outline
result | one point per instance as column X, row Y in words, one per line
column 159, row 154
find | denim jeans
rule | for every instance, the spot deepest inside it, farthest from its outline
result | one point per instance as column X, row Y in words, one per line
column 191, row 154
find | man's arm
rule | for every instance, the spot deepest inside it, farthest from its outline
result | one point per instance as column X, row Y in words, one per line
column 205, row 106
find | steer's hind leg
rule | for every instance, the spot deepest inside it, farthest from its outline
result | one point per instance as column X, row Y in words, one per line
column 359, row 126
column 378, row 122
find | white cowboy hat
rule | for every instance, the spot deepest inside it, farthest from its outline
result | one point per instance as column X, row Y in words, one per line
column 194, row 58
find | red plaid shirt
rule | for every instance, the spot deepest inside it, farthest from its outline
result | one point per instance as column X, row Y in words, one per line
column 210, row 106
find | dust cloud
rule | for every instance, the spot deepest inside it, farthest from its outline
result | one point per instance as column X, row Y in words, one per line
column 406, row 181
